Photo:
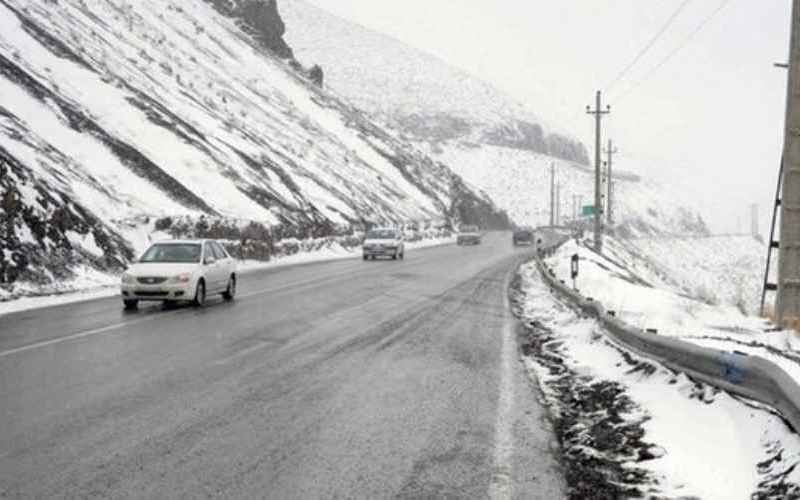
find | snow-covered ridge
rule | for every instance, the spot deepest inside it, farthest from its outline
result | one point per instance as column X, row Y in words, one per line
column 118, row 111
column 496, row 144
column 417, row 93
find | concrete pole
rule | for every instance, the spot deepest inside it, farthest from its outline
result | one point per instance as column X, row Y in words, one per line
column 788, row 301
column 609, row 182
column 574, row 207
column 598, row 113
column 552, row 194
column 558, row 204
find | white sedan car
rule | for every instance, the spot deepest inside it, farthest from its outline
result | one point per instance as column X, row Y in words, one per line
column 384, row 243
column 180, row 271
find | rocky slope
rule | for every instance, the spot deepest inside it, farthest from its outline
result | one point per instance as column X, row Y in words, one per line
column 261, row 19
column 115, row 114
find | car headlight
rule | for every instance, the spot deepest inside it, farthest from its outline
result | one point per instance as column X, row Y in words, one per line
column 181, row 278
column 127, row 278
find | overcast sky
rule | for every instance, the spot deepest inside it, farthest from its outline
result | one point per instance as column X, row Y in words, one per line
column 712, row 116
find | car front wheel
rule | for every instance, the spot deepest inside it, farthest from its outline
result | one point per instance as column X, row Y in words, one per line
column 130, row 305
column 230, row 292
column 200, row 295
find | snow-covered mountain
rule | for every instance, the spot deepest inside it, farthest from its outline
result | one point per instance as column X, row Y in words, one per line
column 496, row 144
column 116, row 113
column 427, row 99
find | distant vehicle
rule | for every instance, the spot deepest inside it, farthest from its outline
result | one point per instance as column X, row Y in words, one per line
column 180, row 271
column 469, row 235
column 384, row 242
column 523, row 237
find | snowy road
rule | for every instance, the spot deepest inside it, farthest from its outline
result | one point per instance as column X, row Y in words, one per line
column 343, row 379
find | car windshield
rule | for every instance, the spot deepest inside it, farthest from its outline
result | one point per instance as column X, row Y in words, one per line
column 172, row 252
column 381, row 234
column 469, row 229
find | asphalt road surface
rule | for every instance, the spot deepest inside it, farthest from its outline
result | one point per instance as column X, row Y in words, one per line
column 345, row 379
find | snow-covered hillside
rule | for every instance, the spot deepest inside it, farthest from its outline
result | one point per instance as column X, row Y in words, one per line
column 115, row 113
column 724, row 270
column 429, row 100
column 519, row 181
column 497, row 145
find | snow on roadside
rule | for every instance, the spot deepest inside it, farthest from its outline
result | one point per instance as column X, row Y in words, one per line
column 629, row 427
column 92, row 284
column 725, row 269
column 642, row 295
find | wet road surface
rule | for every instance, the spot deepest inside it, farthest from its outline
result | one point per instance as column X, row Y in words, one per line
column 345, row 379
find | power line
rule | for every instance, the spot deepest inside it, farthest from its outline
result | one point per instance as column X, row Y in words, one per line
column 648, row 46
column 674, row 52
column 573, row 118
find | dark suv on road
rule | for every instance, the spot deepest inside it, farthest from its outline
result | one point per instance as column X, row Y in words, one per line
column 523, row 237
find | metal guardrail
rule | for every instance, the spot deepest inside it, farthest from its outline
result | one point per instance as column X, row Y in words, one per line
column 749, row 376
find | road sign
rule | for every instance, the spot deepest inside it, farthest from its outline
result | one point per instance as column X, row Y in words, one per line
column 588, row 210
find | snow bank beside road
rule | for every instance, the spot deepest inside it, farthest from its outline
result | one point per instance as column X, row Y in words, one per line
column 629, row 427
column 643, row 295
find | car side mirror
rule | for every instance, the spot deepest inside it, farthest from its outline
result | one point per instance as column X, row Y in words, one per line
column 209, row 260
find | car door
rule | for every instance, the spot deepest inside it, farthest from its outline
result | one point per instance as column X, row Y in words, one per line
column 225, row 264
column 210, row 267
column 220, row 267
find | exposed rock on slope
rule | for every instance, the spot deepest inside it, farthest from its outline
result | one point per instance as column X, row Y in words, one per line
column 261, row 19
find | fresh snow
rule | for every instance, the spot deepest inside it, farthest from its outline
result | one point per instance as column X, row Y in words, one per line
column 644, row 294
column 519, row 182
column 382, row 75
column 712, row 443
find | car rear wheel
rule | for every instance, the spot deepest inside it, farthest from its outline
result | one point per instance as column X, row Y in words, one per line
column 230, row 292
column 130, row 305
column 200, row 295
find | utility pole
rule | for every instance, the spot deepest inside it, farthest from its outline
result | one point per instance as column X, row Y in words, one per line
column 558, row 204
column 610, row 151
column 574, row 207
column 552, row 194
column 598, row 113
column 788, row 302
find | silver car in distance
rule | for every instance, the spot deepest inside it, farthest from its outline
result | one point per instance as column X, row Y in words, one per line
column 180, row 271
column 384, row 243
